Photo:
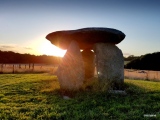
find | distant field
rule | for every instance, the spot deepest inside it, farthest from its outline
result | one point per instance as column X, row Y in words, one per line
column 142, row 74
column 36, row 96
column 51, row 69
column 27, row 68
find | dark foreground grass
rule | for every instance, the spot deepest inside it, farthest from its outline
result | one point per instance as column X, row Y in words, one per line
column 36, row 96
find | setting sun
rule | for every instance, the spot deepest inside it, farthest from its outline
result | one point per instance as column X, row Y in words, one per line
column 48, row 49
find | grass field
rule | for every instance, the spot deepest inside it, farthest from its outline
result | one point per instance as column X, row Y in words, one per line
column 36, row 96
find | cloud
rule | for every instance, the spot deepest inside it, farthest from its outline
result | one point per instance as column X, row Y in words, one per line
column 27, row 48
column 7, row 46
column 126, row 54
column 10, row 47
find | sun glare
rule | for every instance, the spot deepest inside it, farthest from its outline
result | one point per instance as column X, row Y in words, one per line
column 49, row 49
column 42, row 46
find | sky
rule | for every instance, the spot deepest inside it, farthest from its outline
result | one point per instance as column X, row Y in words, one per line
column 24, row 24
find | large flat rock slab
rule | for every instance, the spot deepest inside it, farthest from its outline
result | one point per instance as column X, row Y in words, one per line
column 85, row 37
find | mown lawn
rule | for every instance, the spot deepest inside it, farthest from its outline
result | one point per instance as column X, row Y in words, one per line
column 36, row 96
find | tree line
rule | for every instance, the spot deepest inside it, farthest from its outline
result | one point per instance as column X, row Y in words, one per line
column 10, row 57
column 145, row 62
column 130, row 58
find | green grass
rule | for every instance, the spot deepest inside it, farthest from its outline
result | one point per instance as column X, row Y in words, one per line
column 36, row 96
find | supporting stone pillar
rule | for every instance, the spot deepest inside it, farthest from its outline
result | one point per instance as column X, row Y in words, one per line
column 89, row 64
column 70, row 72
column 110, row 64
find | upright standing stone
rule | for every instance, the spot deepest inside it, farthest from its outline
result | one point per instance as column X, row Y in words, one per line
column 71, row 70
column 89, row 64
column 110, row 64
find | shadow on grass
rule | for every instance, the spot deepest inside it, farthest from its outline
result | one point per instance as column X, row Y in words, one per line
column 132, row 89
column 51, row 87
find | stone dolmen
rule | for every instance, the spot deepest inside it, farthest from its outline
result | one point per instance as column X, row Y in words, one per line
column 78, row 66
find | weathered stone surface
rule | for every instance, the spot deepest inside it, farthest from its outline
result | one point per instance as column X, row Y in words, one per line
column 110, row 64
column 120, row 92
column 70, row 72
column 89, row 64
column 66, row 97
column 86, row 37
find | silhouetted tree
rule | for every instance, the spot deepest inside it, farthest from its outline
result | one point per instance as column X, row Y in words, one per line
column 11, row 57
column 130, row 58
column 145, row 62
